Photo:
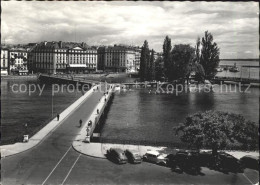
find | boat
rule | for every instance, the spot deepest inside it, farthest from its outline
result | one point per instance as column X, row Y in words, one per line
column 234, row 68
column 219, row 69
column 117, row 87
column 226, row 68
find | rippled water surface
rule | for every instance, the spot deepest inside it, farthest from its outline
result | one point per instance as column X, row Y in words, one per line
column 139, row 114
column 35, row 110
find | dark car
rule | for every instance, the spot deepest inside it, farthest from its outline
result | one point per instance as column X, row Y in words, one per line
column 250, row 161
column 205, row 158
column 184, row 161
column 116, row 155
column 133, row 156
column 229, row 162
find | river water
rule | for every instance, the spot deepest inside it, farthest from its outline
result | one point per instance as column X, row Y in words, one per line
column 34, row 109
column 141, row 115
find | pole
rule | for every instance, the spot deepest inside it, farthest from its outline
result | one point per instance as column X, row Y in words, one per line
column 51, row 101
column 241, row 73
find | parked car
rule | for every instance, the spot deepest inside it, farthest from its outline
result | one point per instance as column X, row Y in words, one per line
column 133, row 156
column 155, row 157
column 184, row 161
column 116, row 155
column 250, row 161
column 229, row 162
column 205, row 159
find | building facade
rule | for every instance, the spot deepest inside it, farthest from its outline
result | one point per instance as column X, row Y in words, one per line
column 137, row 58
column 18, row 61
column 63, row 57
column 81, row 59
column 117, row 58
column 5, row 67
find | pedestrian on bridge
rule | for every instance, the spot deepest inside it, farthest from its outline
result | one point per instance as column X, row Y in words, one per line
column 26, row 128
column 80, row 123
column 58, row 117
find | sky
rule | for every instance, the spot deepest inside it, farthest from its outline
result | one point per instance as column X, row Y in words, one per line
column 234, row 25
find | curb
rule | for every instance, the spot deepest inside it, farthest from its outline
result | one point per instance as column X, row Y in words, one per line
column 96, row 157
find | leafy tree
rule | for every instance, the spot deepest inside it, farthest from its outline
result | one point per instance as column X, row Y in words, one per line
column 209, row 55
column 182, row 56
column 151, row 67
column 199, row 72
column 144, row 61
column 197, row 51
column 216, row 130
column 167, row 47
column 159, row 72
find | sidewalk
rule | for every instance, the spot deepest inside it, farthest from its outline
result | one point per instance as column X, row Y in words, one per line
column 99, row 150
column 80, row 143
column 8, row 150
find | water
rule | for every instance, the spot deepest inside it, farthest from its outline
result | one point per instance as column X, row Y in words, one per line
column 139, row 115
column 244, row 72
column 20, row 108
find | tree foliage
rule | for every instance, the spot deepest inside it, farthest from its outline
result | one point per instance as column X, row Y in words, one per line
column 217, row 130
column 159, row 72
column 209, row 58
column 182, row 56
column 144, row 61
column 151, row 67
column 167, row 47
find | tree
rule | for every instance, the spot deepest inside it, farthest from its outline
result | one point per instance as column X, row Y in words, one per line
column 167, row 47
column 159, row 72
column 144, row 61
column 209, row 55
column 182, row 56
column 151, row 67
column 216, row 130
column 197, row 51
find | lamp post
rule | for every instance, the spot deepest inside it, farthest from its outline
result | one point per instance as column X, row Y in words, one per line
column 52, row 101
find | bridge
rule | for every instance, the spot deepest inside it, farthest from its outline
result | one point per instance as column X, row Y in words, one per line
column 235, row 79
column 65, row 79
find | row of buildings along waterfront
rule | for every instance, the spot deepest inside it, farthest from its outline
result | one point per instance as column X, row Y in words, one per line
column 69, row 57
column 14, row 61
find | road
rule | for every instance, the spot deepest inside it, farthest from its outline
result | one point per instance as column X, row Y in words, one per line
column 55, row 162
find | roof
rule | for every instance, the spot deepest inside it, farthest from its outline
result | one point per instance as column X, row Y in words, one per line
column 18, row 50
column 153, row 152
column 133, row 151
column 252, row 157
column 62, row 45
column 118, row 150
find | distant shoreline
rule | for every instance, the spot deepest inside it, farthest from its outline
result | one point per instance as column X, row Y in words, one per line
column 250, row 59
column 17, row 77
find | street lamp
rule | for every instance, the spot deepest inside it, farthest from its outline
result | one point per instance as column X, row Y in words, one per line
column 52, row 101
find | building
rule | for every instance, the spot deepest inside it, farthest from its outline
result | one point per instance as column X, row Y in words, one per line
column 117, row 58
column 31, row 59
column 5, row 68
column 18, row 61
column 63, row 57
column 137, row 58
column 82, row 59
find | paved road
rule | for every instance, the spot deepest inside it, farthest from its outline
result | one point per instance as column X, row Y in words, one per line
column 55, row 162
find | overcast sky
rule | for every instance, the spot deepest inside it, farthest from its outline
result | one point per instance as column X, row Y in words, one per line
column 234, row 25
